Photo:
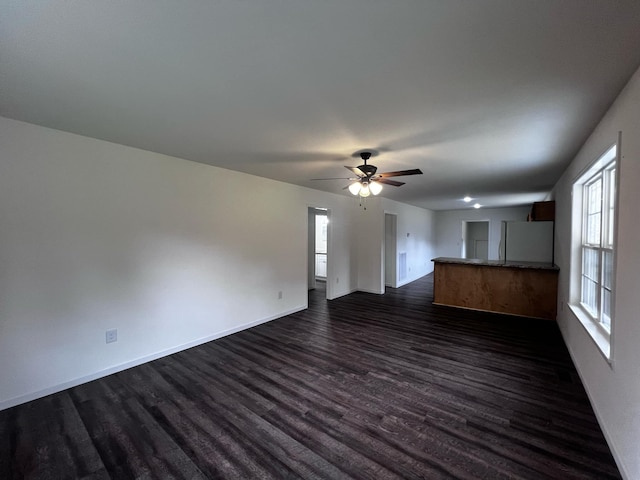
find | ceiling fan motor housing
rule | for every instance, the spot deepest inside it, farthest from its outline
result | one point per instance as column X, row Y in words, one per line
column 368, row 170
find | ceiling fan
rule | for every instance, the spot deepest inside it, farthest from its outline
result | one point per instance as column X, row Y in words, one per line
column 368, row 182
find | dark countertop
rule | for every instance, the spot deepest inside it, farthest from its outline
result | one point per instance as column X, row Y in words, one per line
column 496, row 263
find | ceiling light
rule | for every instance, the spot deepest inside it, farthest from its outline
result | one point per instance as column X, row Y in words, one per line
column 367, row 181
column 375, row 188
column 477, row 205
column 365, row 189
column 354, row 188
column 467, row 199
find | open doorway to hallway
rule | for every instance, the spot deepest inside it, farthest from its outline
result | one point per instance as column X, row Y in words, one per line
column 321, row 247
column 318, row 248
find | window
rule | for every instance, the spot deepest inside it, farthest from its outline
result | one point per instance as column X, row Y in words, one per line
column 597, row 245
column 321, row 246
column 594, row 195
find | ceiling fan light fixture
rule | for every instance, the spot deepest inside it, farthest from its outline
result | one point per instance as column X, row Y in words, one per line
column 375, row 188
column 354, row 188
column 367, row 181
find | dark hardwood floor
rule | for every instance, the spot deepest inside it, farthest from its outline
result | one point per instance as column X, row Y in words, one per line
column 365, row 386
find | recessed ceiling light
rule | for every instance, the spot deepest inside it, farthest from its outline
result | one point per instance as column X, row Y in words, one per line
column 467, row 199
column 477, row 205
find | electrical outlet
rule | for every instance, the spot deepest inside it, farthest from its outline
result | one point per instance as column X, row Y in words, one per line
column 280, row 295
column 337, row 279
column 111, row 336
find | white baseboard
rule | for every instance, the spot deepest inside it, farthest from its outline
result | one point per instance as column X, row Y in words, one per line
column 408, row 281
column 366, row 290
column 343, row 293
column 400, row 284
column 603, row 426
column 12, row 402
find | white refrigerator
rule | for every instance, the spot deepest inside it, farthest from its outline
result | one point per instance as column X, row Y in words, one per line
column 526, row 242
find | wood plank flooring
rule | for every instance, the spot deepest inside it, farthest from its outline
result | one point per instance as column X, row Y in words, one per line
column 365, row 387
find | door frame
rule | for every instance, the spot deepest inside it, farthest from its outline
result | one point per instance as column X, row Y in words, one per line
column 312, row 211
column 390, row 261
column 464, row 244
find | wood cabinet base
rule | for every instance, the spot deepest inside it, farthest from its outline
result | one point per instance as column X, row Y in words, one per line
column 517, row 291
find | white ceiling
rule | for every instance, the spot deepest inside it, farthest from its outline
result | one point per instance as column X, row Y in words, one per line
column 490, row 98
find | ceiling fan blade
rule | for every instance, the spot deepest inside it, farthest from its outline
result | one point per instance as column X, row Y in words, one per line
column 333, row 178
column 389, row 182
column 400, row 173
column 355, row 170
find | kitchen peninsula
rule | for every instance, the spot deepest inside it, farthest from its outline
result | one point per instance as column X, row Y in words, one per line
column 527, row 289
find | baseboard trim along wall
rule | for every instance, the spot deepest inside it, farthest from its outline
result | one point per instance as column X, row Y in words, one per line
column 367, row 290
column 603, row 426
column 344, row 293
column 12, row 402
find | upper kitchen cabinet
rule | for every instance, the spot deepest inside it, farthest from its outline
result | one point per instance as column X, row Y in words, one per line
column 543, row 212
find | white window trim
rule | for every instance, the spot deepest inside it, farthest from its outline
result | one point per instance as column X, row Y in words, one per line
column 601, row 337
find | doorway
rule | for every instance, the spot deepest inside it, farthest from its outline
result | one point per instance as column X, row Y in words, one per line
column 318, row 248
column 390, row 250
column 475, row 240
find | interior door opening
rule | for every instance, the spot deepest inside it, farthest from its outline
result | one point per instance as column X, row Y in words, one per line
column 318, row 248
column 320, row 243
column 475, row 240
column 390, row 250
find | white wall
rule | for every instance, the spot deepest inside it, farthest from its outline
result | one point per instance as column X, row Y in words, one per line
column 415, row 236
column 370, row 246
column 614, row 390
column 448, row 225
column 342, row 256
column 96, row 236
column 370, row 234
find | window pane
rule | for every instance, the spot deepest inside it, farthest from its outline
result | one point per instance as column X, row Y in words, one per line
column 590, row 262
column 612, row 187
column 607, row 270
column 321, row 233
column 593, row 229
column 594, row 199
column 590, row 281
column 593, row 212
column 589, row 295
column 611, row 202
column 606, row 309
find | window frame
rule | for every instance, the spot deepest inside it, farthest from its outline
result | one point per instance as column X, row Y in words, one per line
column 604, row 244
column 598, row 324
